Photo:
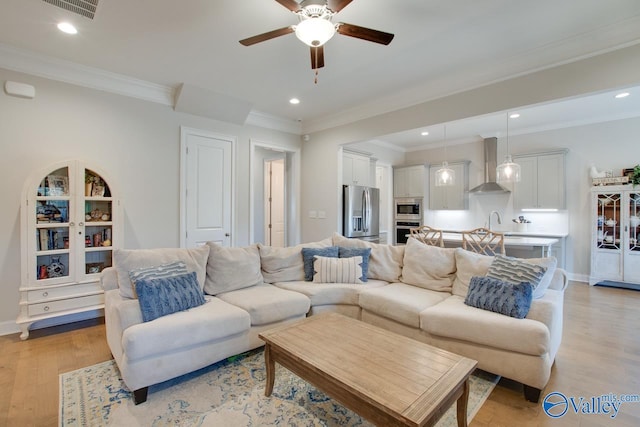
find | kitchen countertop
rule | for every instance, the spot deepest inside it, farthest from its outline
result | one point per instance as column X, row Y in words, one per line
column 518, row 233
column 509, row 240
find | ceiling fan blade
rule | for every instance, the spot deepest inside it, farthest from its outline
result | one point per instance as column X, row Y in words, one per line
column 338, row 5
column 266, row 36
column 364, row 33
column 317, row 57
column 290, row 4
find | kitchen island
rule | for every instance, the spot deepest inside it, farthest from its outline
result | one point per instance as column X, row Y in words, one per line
column 515, row 245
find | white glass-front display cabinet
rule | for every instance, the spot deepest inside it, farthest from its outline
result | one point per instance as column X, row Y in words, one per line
column 71, row 222
column 615, row 240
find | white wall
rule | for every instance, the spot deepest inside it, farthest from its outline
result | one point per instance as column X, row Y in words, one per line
column 135, row 142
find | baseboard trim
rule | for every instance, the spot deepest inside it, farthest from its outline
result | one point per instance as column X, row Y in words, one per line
column 9, row 327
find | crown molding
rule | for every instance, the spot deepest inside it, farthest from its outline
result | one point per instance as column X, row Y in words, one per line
column 23, row 61
column 269, row 121
column 61, row 70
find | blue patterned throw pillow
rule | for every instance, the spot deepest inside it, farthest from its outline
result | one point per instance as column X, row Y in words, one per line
column 501, row 297
column 162, row 296
column 308, row 255
column 365, row 253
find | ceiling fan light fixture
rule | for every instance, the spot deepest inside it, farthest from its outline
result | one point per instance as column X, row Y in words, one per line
column 315, row 32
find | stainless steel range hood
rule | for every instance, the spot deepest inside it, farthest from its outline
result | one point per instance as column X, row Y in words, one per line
column 490, row 186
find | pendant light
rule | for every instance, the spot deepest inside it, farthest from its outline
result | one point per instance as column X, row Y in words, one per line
column 508, row 171
column 445, row 176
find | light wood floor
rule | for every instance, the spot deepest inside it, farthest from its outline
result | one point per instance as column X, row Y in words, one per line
column 600, row 354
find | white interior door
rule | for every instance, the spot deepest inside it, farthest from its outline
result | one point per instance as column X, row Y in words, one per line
column 206, row 189
column 275, row 203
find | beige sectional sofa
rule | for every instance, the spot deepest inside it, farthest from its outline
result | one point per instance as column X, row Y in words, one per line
column 414, row 290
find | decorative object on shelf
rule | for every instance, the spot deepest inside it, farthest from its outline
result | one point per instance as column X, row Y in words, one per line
column 48, row 213
column 633, row 175
column 95, row 267
column 508, row 171
column 94, row 185
column 56, row 268
column 634, row 220
column 58, row 185
column 445, row 176
column 522, row 224
column 610, row 222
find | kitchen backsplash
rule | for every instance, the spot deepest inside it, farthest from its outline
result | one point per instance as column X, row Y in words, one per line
column 478, row 216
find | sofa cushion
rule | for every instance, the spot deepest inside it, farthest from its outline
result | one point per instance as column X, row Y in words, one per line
column 452, row 318
column 428, row 267
column 212, row 321
column 331, row 293
column 267, row 303
column 385, row 262
column 468, row 264
column 232, row 268
column 308, row 258
column 365, row 253
column 400, row 302
column 165, row 295
column 126, row 260
column 285, row 264
column 495, row 295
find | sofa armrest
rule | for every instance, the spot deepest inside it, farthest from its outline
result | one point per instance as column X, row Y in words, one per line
column 109, row 279
column 559, row 281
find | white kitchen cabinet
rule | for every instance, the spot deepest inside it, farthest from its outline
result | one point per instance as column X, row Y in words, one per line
column 356, row 169
column 408, row 181
column 450, row 197
column 71, row 222
column 543, row 183
column 615, row 234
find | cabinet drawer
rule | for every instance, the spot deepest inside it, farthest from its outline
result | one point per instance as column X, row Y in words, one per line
column 62, row 291
column 68, row 304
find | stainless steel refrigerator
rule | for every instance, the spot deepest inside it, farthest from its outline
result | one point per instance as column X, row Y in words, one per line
column 361, row 212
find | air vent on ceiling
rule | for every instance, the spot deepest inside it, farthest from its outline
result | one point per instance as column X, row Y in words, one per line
column 86, row 8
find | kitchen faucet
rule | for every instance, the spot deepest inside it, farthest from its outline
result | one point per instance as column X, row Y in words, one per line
column 499, row 218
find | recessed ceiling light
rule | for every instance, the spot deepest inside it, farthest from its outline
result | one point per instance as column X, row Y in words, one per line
column 425, row 133
column 294, row 101
column 622, row 95
column 68, row 28
column 514, row 115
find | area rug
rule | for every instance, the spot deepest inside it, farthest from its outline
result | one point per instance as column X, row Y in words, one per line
column 228, row 393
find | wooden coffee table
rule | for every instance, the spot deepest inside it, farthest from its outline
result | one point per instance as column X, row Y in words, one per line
column 385, row 377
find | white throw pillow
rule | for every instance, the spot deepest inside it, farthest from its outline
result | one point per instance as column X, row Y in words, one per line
column 126, row 260
column 229, row 269
column 385, row 262
column 337, row 270
column 469, row 264
column 428, row 267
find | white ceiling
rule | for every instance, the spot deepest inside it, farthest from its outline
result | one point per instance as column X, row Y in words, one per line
column 440, row 47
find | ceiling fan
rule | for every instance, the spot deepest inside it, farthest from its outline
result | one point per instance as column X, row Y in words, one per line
column 315, row 27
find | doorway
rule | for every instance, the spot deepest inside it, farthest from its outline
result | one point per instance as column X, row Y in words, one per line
column 274, row 198
column 274, row 202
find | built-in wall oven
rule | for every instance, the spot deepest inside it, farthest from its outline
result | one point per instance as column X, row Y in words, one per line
column 402, row 230
column 408, row 209
column 408, row 215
